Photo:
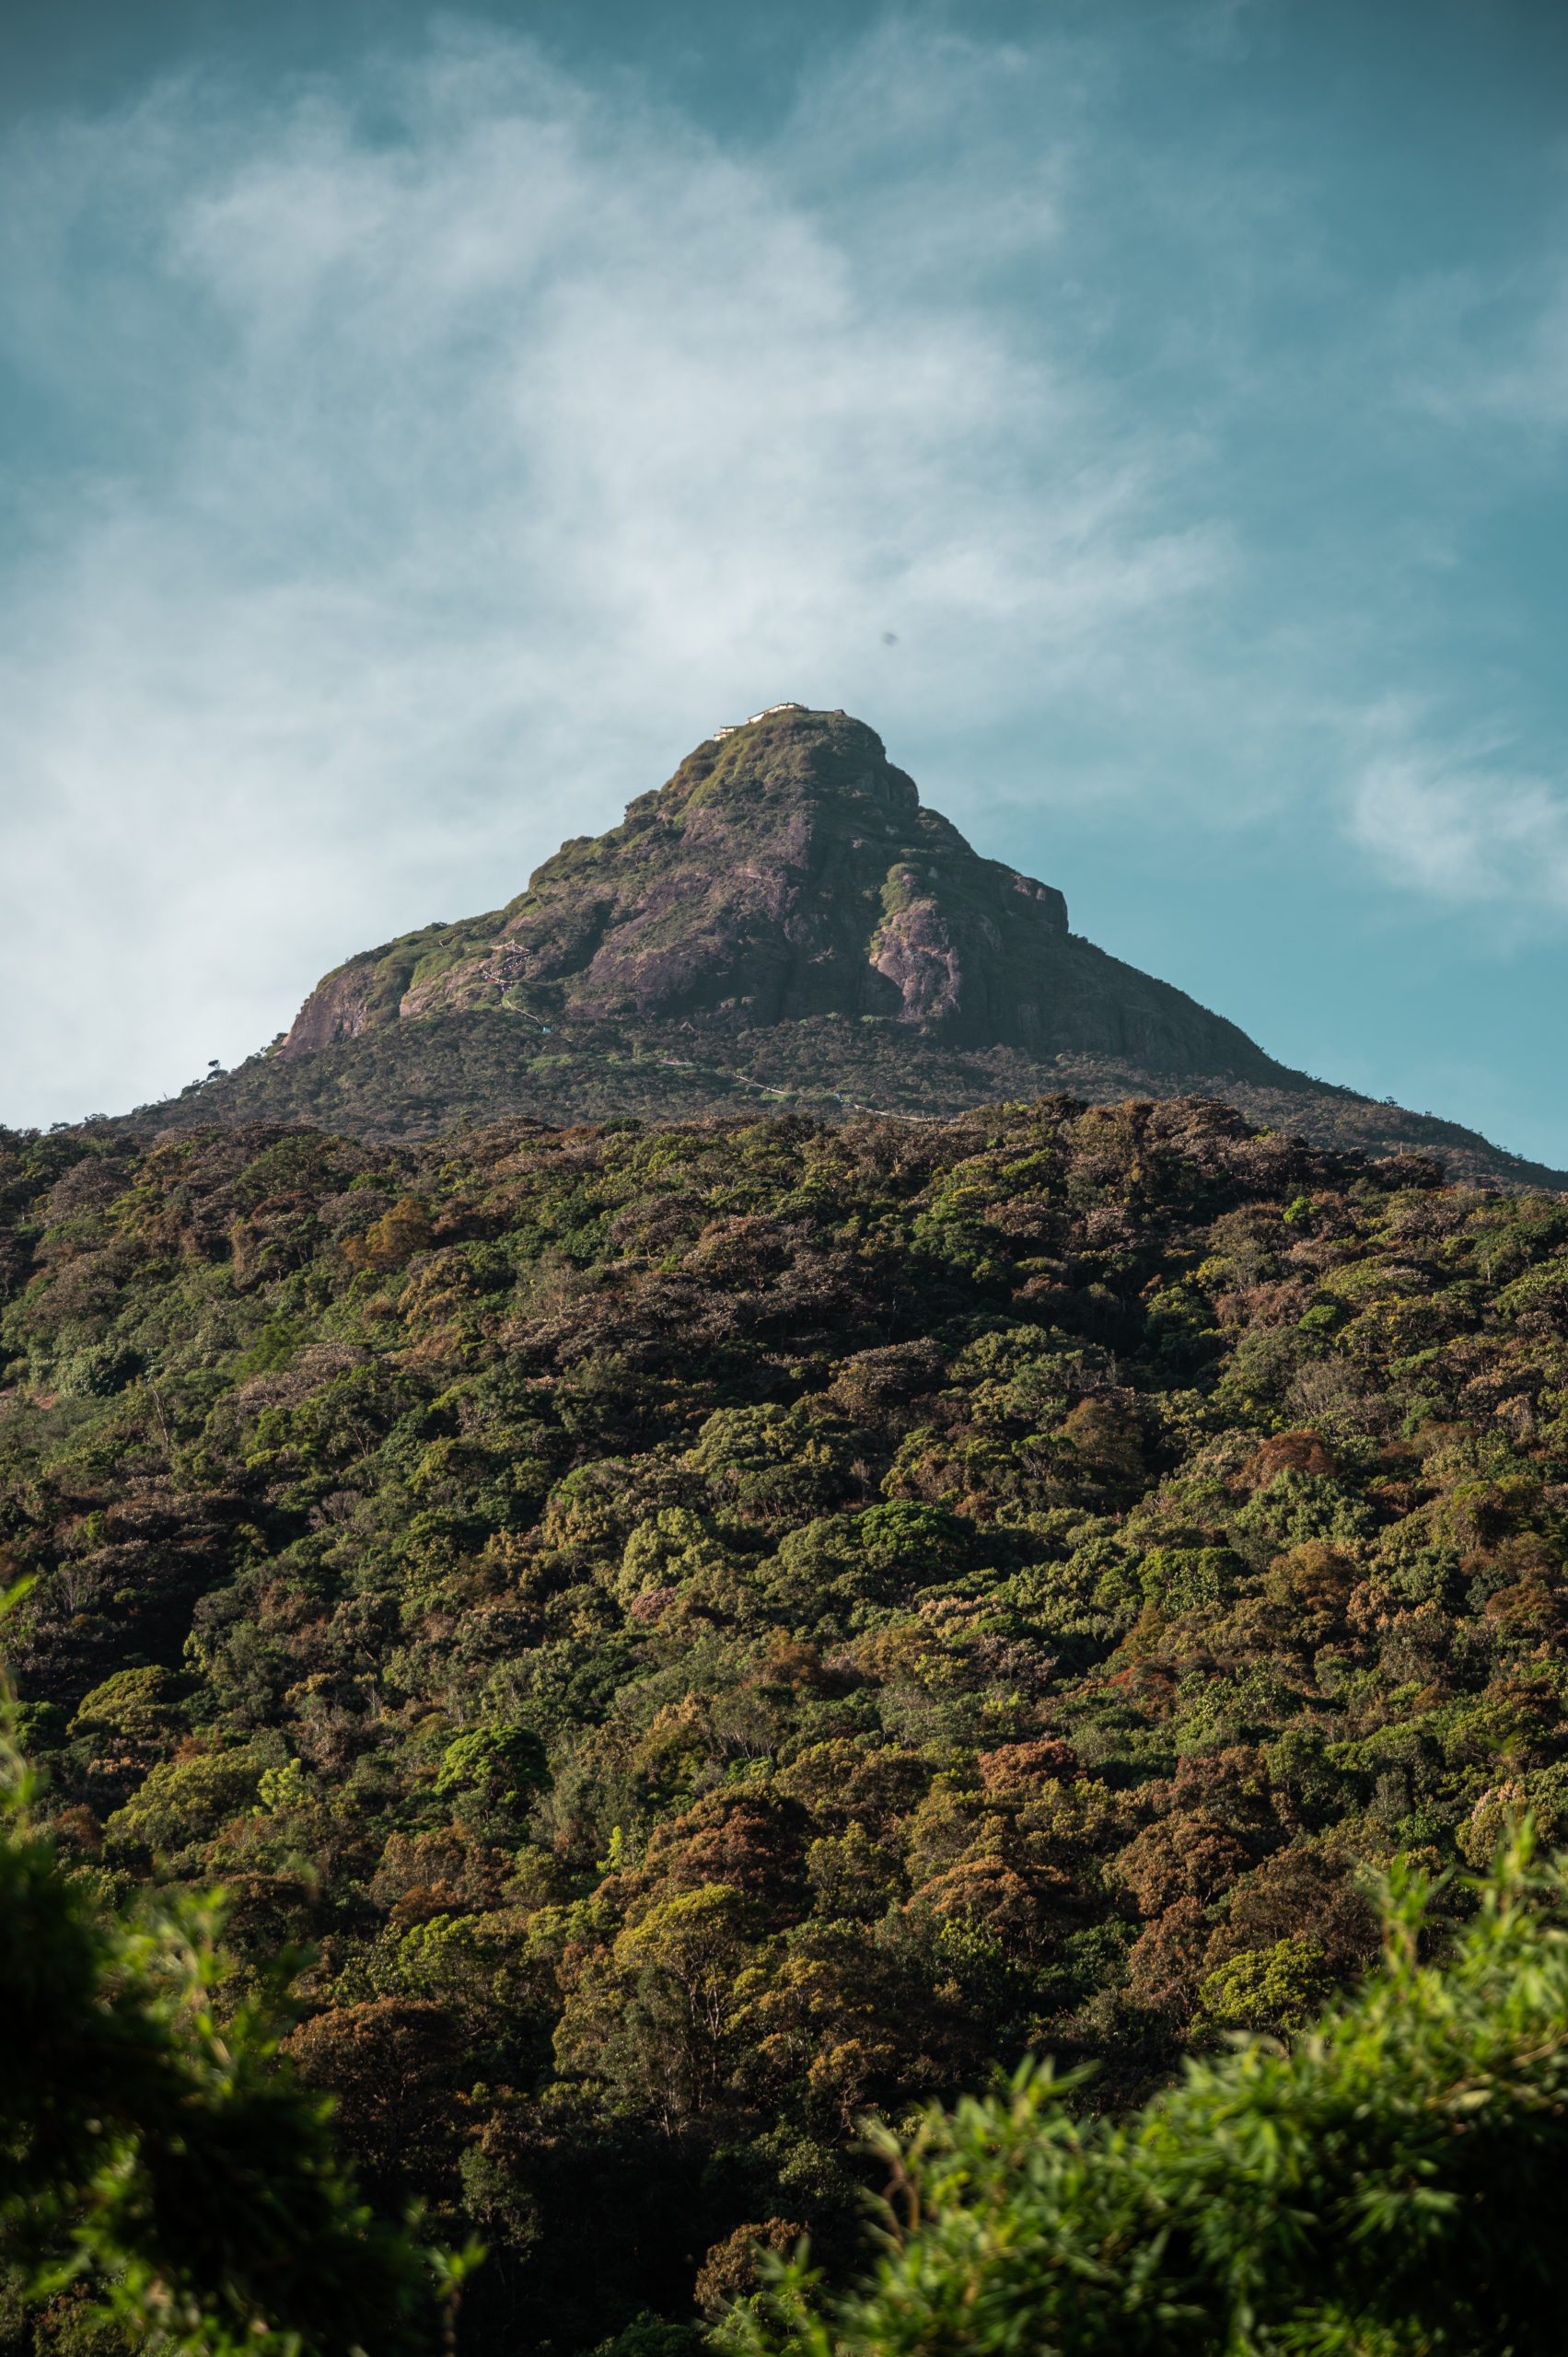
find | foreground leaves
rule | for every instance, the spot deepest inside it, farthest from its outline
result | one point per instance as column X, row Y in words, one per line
column 158, row 2169
column 1388, row 2185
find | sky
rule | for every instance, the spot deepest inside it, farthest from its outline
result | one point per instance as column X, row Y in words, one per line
column 418, row 429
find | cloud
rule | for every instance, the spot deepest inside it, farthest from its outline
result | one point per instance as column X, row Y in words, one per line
column 444, row 456
column 1474, row 348
column 1463, row 833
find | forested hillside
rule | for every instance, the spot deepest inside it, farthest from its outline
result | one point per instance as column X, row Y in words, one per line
column 706, row 1630
column 417, row 1080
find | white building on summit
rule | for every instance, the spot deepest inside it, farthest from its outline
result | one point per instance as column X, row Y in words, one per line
column 731, row 726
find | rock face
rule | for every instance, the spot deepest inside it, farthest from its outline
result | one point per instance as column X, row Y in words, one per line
column 786, row 872
column 781, row 928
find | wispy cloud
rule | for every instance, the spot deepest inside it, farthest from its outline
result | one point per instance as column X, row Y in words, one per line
column 1463, row 832
column 1472, row 347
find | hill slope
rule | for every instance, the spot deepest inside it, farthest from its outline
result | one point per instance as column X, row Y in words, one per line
column 709, row 1627
column 783, row 917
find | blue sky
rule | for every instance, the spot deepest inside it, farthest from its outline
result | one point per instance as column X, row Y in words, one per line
column 417, row 430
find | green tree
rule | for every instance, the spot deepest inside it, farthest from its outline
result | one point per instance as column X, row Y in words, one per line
column 1389, row 2186
column 154, row 2153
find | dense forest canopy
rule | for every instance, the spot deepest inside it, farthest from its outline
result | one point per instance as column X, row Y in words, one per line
column 707, row 1631
column 162, row 2179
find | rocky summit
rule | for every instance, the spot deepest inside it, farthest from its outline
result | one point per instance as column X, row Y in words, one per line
column 783, row 924
column 788, row 871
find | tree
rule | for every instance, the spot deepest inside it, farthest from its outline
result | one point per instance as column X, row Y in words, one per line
column 656, row 2018
column 391, row 2066
column 1389, row 2185
column 154, row 2151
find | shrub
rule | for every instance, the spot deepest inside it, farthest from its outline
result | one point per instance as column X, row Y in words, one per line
column 1391, row 2185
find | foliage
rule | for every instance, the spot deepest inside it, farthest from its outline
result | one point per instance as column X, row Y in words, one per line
column 707, row 1631
column 159, row 2172
column 417, row 1078
column 1386, row 2184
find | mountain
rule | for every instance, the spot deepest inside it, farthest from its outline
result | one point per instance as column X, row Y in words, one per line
column 783, row 917
column 787, row 871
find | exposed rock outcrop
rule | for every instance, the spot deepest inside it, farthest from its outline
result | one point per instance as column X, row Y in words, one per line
column 788, row 871
column 782, row 925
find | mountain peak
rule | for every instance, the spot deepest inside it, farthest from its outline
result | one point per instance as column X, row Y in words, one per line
column 789, row 750
column 786, row 872
column 783, row 922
